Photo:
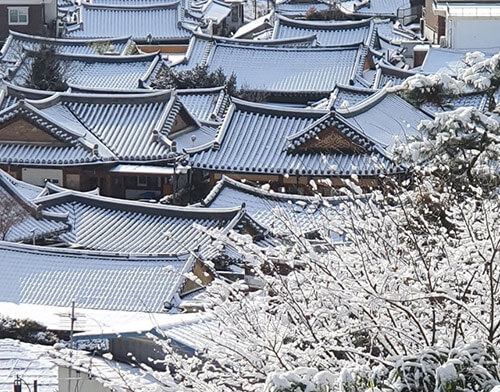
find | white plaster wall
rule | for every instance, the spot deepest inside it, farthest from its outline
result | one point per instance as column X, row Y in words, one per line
column 473, row 33
column 37, row 176
column 73, row 381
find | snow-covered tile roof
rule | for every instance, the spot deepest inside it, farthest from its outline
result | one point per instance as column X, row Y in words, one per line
column 56, row 277
column 33, row 223
column 36, row 362
column 255, row 26
column 121, row 226
column 387, row 73
column 17, row 42
column 480, row 101
column 286, row 70
column 156, row 23
column 393, row 33
column 27, row 191
column 384, row 116
column 264, row 139
column 71, row 147
column 327, row 33
column 30, row 362
column 383, row 8
column 101, row 72
column 208, row 105
column 273, row 210
column 298, row 8
column 349, row 94
column 124, row 127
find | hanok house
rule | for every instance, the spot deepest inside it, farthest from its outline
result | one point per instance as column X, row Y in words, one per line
column 104, row 72
column 276, row 211
column 285, row 70
column 462, row 24
column 16, row 44
column 127, row 145
column 36, row 17
column 153, row 25
column 327, row 34
column 290, row 147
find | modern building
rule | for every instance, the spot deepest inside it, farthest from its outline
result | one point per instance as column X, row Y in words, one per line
column 37, row 17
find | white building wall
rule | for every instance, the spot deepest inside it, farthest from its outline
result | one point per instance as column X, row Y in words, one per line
column 473, row 32
column 37, row 176
column 74, row 381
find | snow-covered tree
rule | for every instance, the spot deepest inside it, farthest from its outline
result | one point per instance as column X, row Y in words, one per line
column 418, row 273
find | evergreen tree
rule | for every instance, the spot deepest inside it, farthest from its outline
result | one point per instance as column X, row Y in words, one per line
column 46, row 71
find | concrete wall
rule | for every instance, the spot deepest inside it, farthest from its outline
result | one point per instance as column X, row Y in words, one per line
column 71, row 380
column 473, row 33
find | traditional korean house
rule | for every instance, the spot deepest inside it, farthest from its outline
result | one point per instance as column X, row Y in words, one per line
column 328, row 34
column 128, row 145
column 300, row 8
column 276, row 211
column 105, row 72
column 406, row 11
column 163, row 26
column 22, row 219
column 289, row 147
column 17, row 43
column 279, row 68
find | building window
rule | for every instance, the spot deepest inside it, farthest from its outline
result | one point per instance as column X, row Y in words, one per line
column 18, row 16
column 142, row 181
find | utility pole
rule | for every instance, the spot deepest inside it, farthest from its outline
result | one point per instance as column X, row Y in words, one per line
column 73, row 319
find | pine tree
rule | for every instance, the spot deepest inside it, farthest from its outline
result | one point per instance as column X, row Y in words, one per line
column 46, row 71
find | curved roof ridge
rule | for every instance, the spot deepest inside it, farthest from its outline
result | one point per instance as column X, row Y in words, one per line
column 240, row 103
column 8, row 184
column 98, row 200
column 341, row 47
column 395, row 70
column 367, row 103
column 102, row 57
column 355, row 88
column 26, row 248
column 50, row 119
column 22, row 91
column 250, row 42
column 68, row 40
column 325, row 24
column 228, row 181
column 50, row 187
column 172, row 4
column 199, row 90
column 149, row 96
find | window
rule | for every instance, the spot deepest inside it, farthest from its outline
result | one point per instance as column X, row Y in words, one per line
column 142, row 181
column 18, row 15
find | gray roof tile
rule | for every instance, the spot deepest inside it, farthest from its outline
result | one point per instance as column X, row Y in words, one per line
column 17, row 42
column 158, row 22
column 105, row 224
column 99, row 72
column 56, row 277
column 327, row 33
column 258, row 138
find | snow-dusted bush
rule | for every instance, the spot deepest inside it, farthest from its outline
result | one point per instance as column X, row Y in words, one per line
column 481, row 73
column 459, row 149
column 419, row 88
column 26, row 331
column 472, row 367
